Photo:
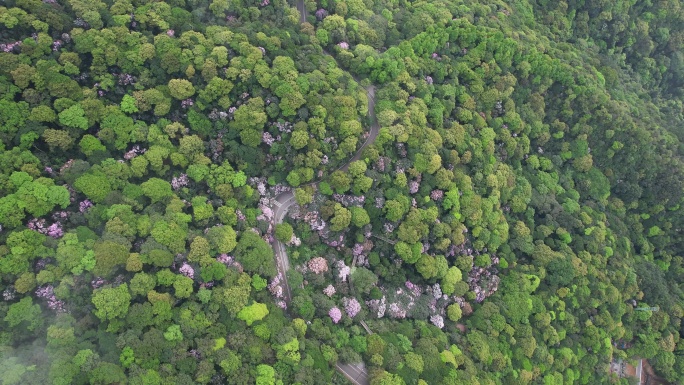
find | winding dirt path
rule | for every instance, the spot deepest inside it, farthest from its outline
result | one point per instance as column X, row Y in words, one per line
column 284, row 201
column 356, row 373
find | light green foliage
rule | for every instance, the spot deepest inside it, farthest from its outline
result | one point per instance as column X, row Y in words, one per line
column 342, row 218
column 90, row 144
column 111, row 303
column 74, row 117
column 96, row 186
column 182, row 287
column 449, row 281
column 283, row 232
column 454, row 312
column 222, row 238
column 156, row 189
column 24, row 312
column 254, row 312
column 173, row 333
column 181, row 89
column 258, row 283
column 128, row 104
column 255, row 255
column 265, row 375
column 360, row 217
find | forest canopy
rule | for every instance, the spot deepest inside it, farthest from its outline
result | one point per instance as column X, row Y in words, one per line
column 257, row 191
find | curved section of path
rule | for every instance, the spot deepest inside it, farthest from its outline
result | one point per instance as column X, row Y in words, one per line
column 284, row 201
column 356, row 373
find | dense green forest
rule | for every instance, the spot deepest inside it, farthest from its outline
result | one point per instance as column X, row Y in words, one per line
column 478, row 191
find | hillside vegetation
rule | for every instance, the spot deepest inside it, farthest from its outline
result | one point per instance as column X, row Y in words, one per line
column 516, row 221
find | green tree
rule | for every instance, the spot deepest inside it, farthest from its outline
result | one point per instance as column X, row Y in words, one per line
column 255, row 255
column 156, row 189
column 284, row 232
column 254, row 312
column 111, row 303
column 342, row 218
column 24, row 312
column 181, row 89
column 74, row 116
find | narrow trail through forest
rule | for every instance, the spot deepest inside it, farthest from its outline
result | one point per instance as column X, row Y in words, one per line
column 354, row 372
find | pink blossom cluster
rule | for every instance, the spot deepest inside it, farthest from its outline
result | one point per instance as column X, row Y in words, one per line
column 329, row 290
column 325, row 159
column 187, row 103
column 314, row 221
column 9, row 294
column 283, row 127
column 294, row 241
column 179, row 181
column 349, row 200
column 321, row 14
column 437, row 195
column 413, row 187
column 382, row 163
column 483, row 281
column 170, row 32
column 134, row 152
column 54, row 230
column 98, row 282
column 126, row 79
column 10, row 47
column 357, row 250
column 276, row 287
column 437, row 320
column 48, row 293
column 187, row 271
column 436, row 291
column 415, row 289
column 265, row 2
column 81, row 23
column 344, row 271
column 240, row 215
column 351, row 306
column 225, row 259
column 60, row 215
column 343, row 45
column 396, row 311
column 267, row 138
column 335, row 242
column 378, row 306
column 335, row 314
column 83, row 206
column 56, row 45
column 318, row 265
column 66, row 165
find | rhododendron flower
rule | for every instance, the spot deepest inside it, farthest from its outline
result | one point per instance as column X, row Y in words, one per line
column 335, row 314
column 318, row 265
column 329, row 291
column 351, row 306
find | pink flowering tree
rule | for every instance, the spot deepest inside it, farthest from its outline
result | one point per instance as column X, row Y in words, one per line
column 318, row 265
column 329, row 291
column 351, row 306
column 187, row 271
column 335, row 314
